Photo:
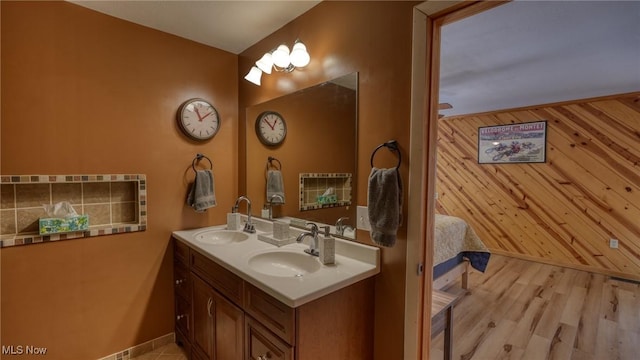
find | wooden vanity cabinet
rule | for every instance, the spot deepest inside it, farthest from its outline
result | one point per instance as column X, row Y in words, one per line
column 231, row 319
column 182, row 294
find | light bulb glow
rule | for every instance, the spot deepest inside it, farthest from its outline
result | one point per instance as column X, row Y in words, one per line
column 281, row 59
column 254, row 75
column 265, row 63
column 281, row 56
column 299, row 55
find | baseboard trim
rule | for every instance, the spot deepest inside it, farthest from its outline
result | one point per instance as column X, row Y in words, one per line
column 141, row 349
column 587, row 268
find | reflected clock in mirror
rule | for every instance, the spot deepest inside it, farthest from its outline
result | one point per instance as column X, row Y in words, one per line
column 271, row 128
column 321, row 133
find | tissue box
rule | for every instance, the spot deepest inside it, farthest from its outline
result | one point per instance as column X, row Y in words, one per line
column 327, row 199
column 63, row 225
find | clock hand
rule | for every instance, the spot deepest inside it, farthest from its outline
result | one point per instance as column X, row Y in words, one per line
column 198, row 113
column 202, row 118
column 273, row 127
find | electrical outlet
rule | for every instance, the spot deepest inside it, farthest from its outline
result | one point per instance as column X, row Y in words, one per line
column 613, row 243
column 362, row 222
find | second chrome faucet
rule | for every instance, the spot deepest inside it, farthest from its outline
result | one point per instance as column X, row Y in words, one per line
column 248, row 226
column 313, row 233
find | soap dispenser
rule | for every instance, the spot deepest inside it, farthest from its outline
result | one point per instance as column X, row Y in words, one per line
column 326, row 247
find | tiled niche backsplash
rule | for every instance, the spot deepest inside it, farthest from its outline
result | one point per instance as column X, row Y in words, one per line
column 313, row 185
column 114, row 204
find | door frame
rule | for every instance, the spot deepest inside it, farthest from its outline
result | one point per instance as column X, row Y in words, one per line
column 428, row 19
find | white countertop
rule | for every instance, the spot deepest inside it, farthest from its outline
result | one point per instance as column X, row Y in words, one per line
column 353, row 262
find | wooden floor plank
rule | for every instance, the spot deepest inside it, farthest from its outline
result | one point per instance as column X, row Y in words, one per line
column 524, row 310
column 562, row 342
column 573, row 308
column 537, row 349
column 550, row 320
column 606, row 342
column 589, row 320
column 629, row 343
column 628, row 315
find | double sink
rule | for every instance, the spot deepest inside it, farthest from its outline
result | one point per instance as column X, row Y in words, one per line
column 286, row 272
column 278, row 262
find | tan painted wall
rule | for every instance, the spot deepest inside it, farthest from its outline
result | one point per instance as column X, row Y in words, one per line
column 85, row 93
column 563, row 211
column 374, row 39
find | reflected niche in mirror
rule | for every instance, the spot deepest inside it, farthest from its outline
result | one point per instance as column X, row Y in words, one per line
column 320, row 142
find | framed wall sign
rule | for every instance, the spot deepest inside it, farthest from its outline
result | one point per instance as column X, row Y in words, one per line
column 513, row 143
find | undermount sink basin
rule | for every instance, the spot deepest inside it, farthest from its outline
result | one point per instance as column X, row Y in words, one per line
column 220, row 237
column 284, row 263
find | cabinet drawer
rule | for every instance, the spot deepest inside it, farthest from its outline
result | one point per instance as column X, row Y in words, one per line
column 261, row 344
column 180, row 252
column 183, row 316
column 273, row 314
column 182, row 281
column 218, row 277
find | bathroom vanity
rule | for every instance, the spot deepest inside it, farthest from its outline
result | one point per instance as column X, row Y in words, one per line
column 237, row 297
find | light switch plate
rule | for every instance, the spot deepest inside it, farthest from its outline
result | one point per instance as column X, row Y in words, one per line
column 363, row 218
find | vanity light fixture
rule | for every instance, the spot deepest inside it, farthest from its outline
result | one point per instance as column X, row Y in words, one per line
column 280, row 59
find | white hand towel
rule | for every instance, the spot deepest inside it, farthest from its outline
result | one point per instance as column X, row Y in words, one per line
column 385, row 205
column 202, row 194
column 275, row 186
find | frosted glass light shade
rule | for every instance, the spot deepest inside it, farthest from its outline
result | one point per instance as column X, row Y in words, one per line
column 254, row 75
column 281, row 56
column 299, row 55
column 265, row 63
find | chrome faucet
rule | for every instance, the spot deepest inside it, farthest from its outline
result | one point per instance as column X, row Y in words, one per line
column 341, row 227
column 313, row 246
column 274, row 196
column 248, row 226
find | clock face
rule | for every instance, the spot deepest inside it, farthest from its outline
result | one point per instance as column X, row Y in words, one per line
column 271, row 128
column 198, row 119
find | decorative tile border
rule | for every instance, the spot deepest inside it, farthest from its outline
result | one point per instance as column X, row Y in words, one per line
column 142, row 349
column 141, row 207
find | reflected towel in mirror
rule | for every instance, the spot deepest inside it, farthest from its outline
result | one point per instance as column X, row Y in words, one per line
column 202, row 194
column 275, row 186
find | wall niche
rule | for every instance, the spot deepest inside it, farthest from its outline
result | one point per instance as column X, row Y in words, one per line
column 114, row 203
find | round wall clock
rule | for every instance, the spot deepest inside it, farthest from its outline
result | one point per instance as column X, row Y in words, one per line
column 198, row 119
column 271, row 128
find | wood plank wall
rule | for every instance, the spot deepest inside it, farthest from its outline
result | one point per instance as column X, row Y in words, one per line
column 561, row 212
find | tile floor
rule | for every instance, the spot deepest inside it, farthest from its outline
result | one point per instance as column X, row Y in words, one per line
column 167, row 352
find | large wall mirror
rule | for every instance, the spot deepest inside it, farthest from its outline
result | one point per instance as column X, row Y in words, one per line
column 317, row 158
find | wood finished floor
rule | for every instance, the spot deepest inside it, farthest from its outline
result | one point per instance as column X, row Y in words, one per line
column 525, row 310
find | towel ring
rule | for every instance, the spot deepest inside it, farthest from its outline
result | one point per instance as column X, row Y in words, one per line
column 198, row 158
column 392, row 145
column 270, row 161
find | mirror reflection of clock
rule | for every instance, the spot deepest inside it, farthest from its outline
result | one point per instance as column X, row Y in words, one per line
column 271, row 128
column 198, row 119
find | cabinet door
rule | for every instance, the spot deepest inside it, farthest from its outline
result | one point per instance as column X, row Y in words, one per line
column 202, row 330
column 229, row 330
column 218, row 325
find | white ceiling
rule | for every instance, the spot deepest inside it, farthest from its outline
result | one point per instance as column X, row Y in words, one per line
column 518, row 54
column 228, row 25
column 536, row 52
